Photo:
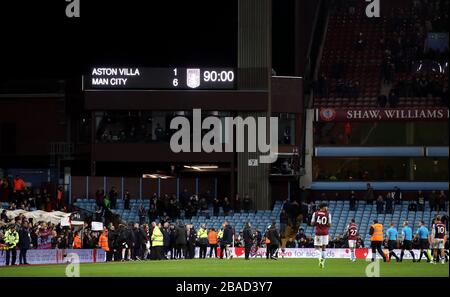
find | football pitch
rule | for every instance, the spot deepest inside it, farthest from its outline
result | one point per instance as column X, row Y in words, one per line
column 233, row 268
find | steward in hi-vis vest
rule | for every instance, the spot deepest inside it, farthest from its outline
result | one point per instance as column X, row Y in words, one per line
column 376, row 237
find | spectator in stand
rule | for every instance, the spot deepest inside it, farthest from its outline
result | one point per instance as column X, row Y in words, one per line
column 189, row 211
column 204, row 210
column 380, row 204
column 370, row 195
column 113, row 197
column 389, row 203
column 216, row 207
column 77, row 244
column 226, row 206
column 152, row 213
column 352, row 199
column 237, row 204
column 398, row 196
column 48, row 203
column 4, row 217
column 432, row 200
column 442, row 198
column 420, row 201
column 99, row 196
column 412, row 205
column 59, row 197
column 247, row 203
column 290, row 244
column 141, row 214
column 19, row 185
column 300, row 237
column 184, row 197
column 127, row 200
column 106, row 203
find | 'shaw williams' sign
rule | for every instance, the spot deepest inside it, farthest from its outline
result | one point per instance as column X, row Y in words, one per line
column 393, row 114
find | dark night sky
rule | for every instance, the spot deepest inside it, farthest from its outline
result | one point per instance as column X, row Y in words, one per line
column 39, row 41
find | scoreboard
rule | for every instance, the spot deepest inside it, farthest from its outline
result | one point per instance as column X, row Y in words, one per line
column 174, row 78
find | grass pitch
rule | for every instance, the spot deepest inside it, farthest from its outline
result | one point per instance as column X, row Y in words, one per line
column 233, row 268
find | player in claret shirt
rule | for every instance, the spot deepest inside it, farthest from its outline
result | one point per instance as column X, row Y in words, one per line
column 438, row 239
column 352, row 236
column 321, row 219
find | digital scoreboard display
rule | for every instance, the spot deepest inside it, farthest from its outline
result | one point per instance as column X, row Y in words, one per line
column 175, row 78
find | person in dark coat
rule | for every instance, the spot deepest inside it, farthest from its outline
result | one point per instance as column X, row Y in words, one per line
column 274, row 238
column 248, row 239
column 139, row 242
column 216, row 207
column 123, row 243
column 173, row 241
column 127, row 199
column 113, row 197
column 166, row 240
column 181, row 240
column 24, row 243
column 113, row 244
column 191, row 241
column 227, row 240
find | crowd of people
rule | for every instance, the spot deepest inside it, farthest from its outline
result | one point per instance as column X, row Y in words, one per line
column 168, row 206
column 404, row 50
column 132, row 242
column 21, row 196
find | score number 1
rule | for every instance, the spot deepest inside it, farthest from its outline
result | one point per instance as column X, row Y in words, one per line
column 175, row 80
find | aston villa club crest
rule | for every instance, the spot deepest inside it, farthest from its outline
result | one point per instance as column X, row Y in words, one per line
column 327, row 114
column 193, row 78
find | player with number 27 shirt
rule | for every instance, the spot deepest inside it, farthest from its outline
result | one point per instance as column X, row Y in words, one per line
column 321, row 219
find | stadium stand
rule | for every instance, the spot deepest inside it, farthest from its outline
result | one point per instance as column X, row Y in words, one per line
column 364, row 60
